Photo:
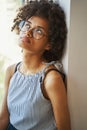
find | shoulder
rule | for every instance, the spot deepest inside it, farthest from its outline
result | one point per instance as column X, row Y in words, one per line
column 54, row 84
column 53, row 74
column 53, row 77
column 9, row 73
column 10, row 69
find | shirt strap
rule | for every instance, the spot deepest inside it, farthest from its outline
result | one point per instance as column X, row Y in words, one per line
column 16, row 66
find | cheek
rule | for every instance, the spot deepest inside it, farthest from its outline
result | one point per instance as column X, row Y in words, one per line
column 41, row 45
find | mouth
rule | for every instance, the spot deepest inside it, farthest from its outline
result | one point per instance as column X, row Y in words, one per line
column 25, row 39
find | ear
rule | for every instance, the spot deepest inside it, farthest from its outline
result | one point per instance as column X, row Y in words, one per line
column 48, row 46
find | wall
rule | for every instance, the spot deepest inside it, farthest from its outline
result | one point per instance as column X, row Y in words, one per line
column 66, row 6
column 77, row 65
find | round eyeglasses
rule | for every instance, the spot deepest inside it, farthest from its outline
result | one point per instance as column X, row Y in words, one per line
column 37, row 32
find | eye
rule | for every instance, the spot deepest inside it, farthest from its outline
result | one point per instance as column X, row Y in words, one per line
column 39, row 31
column 27, row 25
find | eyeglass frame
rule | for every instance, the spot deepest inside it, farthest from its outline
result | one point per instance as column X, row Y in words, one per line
column 30, row 31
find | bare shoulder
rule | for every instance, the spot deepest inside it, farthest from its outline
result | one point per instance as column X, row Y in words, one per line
column 10, row 69
column 54, row 77
column 54, row 85
column 9, row 72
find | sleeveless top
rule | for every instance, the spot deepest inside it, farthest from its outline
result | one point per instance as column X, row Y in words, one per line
column 28, row 108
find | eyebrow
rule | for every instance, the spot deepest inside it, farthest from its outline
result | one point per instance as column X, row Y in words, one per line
column 37, row 26
column 29, row 22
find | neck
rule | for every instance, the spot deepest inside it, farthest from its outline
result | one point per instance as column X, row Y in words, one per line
column 31, row 63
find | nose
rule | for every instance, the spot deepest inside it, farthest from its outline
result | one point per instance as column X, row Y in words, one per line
column 29, row 33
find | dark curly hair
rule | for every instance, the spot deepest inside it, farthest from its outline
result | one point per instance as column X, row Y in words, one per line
column 57, row 25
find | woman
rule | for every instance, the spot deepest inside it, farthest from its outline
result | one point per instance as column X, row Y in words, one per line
column 35, row 95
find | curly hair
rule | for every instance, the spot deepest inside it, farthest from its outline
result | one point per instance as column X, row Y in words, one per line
column 57, row 25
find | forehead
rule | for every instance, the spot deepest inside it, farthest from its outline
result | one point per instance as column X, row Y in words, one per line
column 38, row 21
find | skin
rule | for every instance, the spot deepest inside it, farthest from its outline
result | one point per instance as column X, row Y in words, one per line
column 4, row 115
column 53, row 89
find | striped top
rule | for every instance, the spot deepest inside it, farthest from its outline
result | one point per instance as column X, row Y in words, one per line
column 28, row 108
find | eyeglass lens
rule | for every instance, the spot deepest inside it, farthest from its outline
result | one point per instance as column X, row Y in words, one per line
column 36, row 32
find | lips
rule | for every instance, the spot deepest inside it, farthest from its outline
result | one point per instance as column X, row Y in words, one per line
column 25, row 39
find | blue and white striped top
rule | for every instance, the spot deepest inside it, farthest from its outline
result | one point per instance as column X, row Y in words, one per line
column 28, row 108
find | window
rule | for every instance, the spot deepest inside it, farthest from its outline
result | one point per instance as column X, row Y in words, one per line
column 9, row 50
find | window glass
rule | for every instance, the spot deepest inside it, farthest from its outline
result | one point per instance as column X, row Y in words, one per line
column 9, row 50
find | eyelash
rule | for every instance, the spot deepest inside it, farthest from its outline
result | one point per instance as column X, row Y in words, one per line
column 27, row 25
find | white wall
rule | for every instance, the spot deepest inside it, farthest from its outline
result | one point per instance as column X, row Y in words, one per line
column 66, row 6
column 77, row 65
column 75, row 61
